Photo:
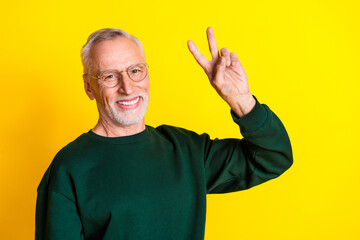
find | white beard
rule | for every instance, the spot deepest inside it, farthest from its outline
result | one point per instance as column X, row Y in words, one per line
column 129, row 117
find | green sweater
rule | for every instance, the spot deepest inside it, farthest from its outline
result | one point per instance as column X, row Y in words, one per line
column 153, row 185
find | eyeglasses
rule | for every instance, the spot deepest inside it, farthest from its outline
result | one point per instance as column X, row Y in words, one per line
column 136, row 72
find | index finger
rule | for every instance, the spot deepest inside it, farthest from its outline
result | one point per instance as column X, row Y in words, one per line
column 199, row 57
column 212, row 44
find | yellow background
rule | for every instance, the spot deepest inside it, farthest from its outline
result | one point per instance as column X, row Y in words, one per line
column 302, row 60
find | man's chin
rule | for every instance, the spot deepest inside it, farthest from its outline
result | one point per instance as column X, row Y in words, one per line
column 129, row 122
column 128, row 118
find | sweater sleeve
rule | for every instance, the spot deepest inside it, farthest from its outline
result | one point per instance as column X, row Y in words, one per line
column 263, row 154
column 56, row 214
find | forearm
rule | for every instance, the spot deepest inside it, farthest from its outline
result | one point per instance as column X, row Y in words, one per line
column 267, row 141
column 57, row 218
column 263, row 154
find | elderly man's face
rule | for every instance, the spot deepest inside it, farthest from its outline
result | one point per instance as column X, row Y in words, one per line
column 126, row 103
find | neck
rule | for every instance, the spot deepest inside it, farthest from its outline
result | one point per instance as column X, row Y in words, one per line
column 108, row 129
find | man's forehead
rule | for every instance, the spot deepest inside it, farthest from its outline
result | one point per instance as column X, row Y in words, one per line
column 114, row 45
column 117, row 53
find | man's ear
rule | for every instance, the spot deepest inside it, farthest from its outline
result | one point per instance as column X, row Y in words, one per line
column 88, row 88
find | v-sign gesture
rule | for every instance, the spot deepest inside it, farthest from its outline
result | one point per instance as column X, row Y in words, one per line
column 226, row 75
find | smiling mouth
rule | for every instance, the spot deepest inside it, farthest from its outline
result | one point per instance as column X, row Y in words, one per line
column 129, row 102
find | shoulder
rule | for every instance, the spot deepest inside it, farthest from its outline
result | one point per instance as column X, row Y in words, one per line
column 178, row 134
column 65, row 160
column 76, row 149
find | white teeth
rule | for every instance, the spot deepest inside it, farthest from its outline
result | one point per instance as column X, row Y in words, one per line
column 127, row 103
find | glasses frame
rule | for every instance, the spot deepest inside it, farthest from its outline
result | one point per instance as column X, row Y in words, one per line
column 120, row 76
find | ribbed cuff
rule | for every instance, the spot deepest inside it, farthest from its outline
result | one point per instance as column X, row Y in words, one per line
column 253, row 120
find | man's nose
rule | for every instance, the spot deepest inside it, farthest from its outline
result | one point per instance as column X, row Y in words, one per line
column 126, row 85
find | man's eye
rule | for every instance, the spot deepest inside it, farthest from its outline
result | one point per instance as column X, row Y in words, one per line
column 135, row 71
column 109, row 77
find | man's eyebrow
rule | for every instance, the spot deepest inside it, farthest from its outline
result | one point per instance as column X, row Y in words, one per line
column 115, row 70
column 108, row 70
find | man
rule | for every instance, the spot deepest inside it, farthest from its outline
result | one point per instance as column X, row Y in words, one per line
column 126, row 180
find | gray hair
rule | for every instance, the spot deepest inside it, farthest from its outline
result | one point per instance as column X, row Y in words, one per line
column 104, row 34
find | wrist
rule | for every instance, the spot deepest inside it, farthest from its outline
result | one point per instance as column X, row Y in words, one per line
column 243, row 105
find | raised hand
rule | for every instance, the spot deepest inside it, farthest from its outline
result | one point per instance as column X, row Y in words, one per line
column 226, row 75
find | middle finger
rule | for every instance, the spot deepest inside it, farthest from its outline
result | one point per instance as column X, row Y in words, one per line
column 212, row 44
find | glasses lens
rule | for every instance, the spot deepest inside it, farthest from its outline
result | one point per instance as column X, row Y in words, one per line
column 137, row 72
column 110, row 79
